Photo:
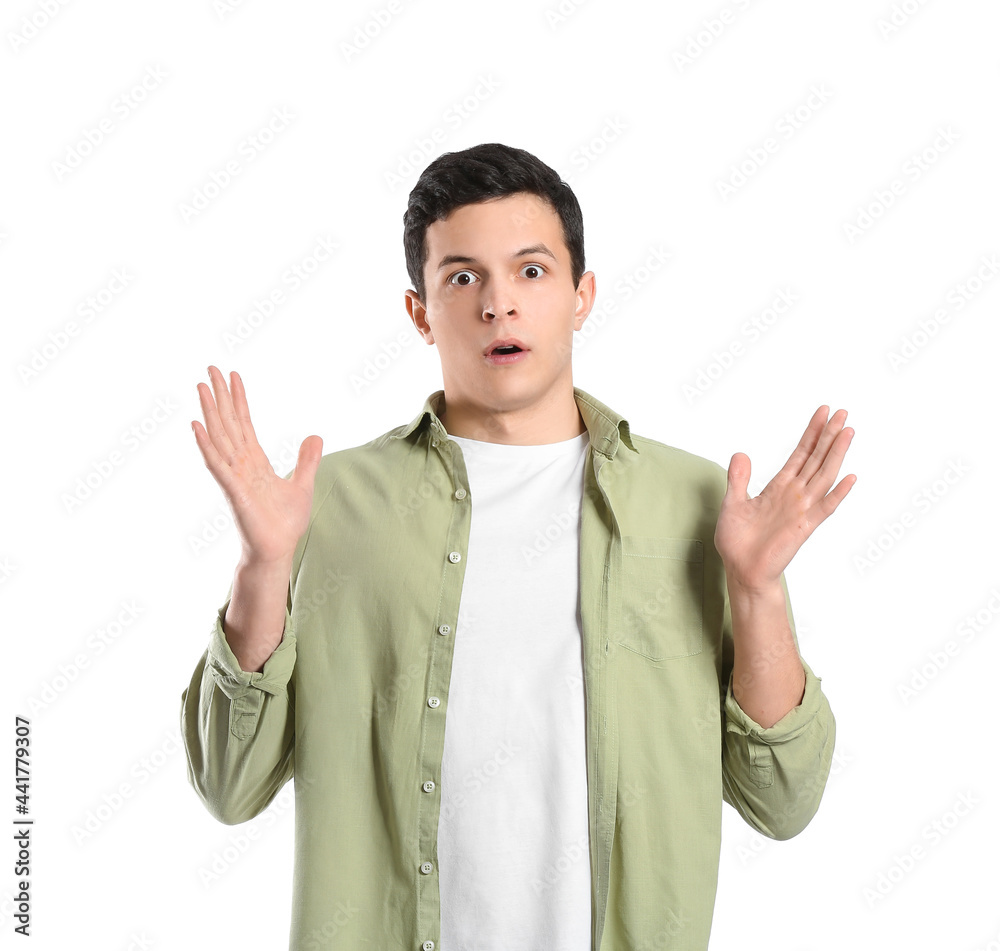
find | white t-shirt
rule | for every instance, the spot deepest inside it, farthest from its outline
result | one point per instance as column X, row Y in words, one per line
column 513, row 837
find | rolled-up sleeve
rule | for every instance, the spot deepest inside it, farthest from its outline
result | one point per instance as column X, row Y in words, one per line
column 238, row 726
column 775, row 777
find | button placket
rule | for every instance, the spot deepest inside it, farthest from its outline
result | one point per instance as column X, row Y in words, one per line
column 451, row 505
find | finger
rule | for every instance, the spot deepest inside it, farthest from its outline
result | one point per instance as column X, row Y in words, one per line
column 213, row 423
column 225, row 404
column 793, row 466
column 213, row 461
column 828, row 504
column 739, row 476
column 831, row 430
column 310, row 453
column 242, row 409
column 827, row 472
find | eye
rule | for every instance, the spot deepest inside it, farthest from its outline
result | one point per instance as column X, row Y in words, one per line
column 534, row 267
column 451, row 280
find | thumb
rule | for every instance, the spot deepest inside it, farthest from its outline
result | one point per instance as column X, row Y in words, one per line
column 739, row 476
column 310, row 453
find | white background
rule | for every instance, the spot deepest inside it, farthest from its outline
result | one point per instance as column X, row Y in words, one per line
column 604, row 96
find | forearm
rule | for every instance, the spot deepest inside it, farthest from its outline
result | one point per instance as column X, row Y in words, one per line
column 775, row 777
column 255, row 618
column 768, row 677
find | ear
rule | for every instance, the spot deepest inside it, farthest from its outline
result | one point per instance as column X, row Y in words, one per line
column 586, row 291
column 418, row 314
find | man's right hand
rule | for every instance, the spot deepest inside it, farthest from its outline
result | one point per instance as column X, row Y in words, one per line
column 271, row 513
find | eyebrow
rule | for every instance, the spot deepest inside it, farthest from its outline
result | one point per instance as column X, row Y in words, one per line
column 463, row 259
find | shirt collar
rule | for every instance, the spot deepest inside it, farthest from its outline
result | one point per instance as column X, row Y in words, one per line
column 605, row 427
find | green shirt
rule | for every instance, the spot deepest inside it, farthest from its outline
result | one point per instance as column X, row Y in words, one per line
column 352, row 703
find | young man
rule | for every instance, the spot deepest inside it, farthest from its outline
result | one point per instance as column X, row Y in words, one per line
column 514, row 655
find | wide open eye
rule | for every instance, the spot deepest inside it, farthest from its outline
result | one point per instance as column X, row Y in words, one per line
column 452, row 280
column 535, row 267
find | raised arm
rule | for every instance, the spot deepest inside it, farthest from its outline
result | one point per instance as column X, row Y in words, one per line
column 271, row 514
column 237, row 711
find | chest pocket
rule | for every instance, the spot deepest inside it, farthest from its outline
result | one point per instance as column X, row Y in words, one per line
column 662, row 592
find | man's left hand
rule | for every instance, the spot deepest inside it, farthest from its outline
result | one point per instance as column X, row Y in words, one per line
column 757, row 538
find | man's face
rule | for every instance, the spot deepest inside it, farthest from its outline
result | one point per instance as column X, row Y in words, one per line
column 496, row 270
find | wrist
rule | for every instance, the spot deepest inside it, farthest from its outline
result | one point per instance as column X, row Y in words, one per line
column 251, row 563
column 754, row 589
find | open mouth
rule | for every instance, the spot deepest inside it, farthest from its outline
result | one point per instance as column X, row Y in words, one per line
column 505, row 354
column 505, row 350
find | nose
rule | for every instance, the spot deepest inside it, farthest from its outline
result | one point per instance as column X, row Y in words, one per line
column 500, row 300
column 490, row 312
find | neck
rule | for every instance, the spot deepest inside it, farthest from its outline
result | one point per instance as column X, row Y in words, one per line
column 552, row 418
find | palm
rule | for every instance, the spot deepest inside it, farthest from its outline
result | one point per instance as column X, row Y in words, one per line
column 268, row 509
column 271, row 513
column 757, row 538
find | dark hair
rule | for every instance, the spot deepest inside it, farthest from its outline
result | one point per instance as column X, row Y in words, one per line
column 476, row 174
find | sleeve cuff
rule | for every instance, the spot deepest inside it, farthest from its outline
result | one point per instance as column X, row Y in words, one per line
column 233, row 680
column 789, row 726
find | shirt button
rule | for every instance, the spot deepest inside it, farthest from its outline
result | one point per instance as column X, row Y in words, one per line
column 433, row 701
column 426, row 868
column 454, row 557
column 459, row 493
column 434, row 443
column 444, row 629
column 427, row 946
column 428, row 786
